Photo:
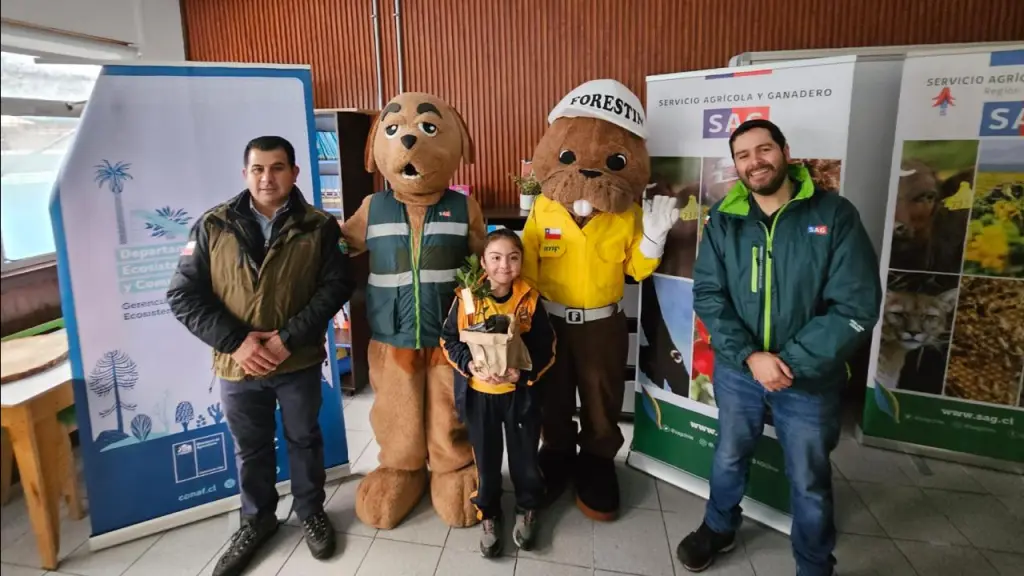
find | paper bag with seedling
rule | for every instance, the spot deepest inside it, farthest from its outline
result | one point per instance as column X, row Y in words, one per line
column 494, row 339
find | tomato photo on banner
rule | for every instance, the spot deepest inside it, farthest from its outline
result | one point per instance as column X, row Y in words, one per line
column 703, row 371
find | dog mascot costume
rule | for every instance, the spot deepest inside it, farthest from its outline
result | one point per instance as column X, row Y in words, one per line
column 584, row 234
column 417, row 235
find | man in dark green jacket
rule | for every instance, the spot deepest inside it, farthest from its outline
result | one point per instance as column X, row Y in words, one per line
column 787, row 283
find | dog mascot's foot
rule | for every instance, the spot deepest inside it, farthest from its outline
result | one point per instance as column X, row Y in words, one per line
column 451, row 493
column 597, row 488
column 386, row 496
column 556, row 466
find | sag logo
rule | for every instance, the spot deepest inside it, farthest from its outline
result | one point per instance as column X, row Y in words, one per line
column 817, row 230
column 720, row 122
column 1002, row 119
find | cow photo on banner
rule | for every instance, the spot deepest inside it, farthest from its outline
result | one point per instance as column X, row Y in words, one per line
column 157, row 147
column 948, row 357
column 692, row 116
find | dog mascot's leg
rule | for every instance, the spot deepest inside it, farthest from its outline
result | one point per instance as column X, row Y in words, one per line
column 387, row 495
column 450, row 455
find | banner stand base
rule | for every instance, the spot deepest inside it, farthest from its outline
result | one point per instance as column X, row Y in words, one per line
column 939, row 453
column 191, row 515
column 752, row 509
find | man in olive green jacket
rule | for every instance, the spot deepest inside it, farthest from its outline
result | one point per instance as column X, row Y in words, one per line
column 259, row 281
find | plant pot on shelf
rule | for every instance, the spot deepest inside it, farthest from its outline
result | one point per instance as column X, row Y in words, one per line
column 529, row 189
column 526, row 201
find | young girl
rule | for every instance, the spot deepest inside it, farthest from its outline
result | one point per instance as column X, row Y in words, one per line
column 510, row 401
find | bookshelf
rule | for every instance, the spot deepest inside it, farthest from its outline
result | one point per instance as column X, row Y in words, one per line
column 341, row 136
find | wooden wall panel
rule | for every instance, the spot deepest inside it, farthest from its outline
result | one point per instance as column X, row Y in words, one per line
column 505, row 64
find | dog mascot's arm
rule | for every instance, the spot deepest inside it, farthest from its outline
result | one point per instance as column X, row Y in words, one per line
column 477, row 227
column 354, row 229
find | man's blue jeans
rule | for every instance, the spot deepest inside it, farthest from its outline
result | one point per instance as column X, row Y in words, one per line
column 807, row 426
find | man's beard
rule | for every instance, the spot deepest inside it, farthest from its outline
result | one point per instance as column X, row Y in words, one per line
column 769, row 188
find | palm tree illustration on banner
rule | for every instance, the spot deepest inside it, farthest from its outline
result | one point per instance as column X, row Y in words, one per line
column 114, row 175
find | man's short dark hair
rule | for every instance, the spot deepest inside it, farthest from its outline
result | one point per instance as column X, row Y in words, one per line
column 749, row 125
column 269, row 144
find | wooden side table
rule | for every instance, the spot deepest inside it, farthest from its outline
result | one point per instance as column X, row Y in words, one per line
column 42, row 449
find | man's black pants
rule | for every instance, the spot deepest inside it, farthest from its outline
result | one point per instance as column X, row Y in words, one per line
column 249, row 408
column 486, row 416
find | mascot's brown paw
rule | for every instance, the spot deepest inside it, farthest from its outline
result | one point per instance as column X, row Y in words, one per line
column 451, row 493
column 386, row 496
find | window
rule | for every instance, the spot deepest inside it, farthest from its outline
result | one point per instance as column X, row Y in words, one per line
column 41, row 106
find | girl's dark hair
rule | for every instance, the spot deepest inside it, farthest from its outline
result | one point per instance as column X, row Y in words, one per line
column 505, row 234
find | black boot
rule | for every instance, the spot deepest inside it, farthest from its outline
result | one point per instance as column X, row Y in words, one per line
column 597, row 487
column 556, row 466
column 698, row 550
column 320, row 537
column 252, row 534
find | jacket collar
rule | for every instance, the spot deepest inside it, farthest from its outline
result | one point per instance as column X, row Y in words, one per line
column 737, row 201
column 520, row 289
column 241, row 205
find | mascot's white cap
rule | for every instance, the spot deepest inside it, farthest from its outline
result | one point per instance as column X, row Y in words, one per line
column 607, row 100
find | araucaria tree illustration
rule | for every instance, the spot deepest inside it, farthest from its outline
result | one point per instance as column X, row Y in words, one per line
column 114, row 175
column 184, row 414
column 114, row 373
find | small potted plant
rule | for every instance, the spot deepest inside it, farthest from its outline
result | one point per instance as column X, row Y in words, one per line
column 529, row 189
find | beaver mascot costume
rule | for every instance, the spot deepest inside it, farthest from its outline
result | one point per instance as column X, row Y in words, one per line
column 417, row 234
column 585, row 233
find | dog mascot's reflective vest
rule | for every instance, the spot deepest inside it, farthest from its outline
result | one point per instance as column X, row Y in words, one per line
column 409, row 294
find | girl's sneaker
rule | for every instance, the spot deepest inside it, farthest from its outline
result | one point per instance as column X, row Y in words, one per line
column 526, row 530
column 490, row 540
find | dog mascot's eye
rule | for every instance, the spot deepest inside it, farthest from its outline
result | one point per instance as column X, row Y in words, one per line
column 391, row 131
column 566, row 157
column 428, row 128
column 616, row 162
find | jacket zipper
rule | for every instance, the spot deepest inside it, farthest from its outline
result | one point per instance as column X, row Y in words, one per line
column 768, row 277
column 416, row 251
column 755, row 274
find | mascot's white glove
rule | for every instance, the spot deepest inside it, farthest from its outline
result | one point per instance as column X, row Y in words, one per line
column 660, row 214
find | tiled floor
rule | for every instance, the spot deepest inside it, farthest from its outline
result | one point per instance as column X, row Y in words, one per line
column 897, row 515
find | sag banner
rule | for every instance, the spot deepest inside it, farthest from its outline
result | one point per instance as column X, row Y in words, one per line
column 948, row 356
column 691, row 117
column 158, row 146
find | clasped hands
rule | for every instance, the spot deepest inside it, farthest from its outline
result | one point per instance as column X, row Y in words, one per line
column 261, row 352
column 770, row 371
column 510, row 375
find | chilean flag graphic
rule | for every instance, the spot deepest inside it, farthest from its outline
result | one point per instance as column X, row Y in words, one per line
column 552, row 233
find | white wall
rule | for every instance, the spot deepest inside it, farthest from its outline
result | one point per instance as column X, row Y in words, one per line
column 152, row 26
